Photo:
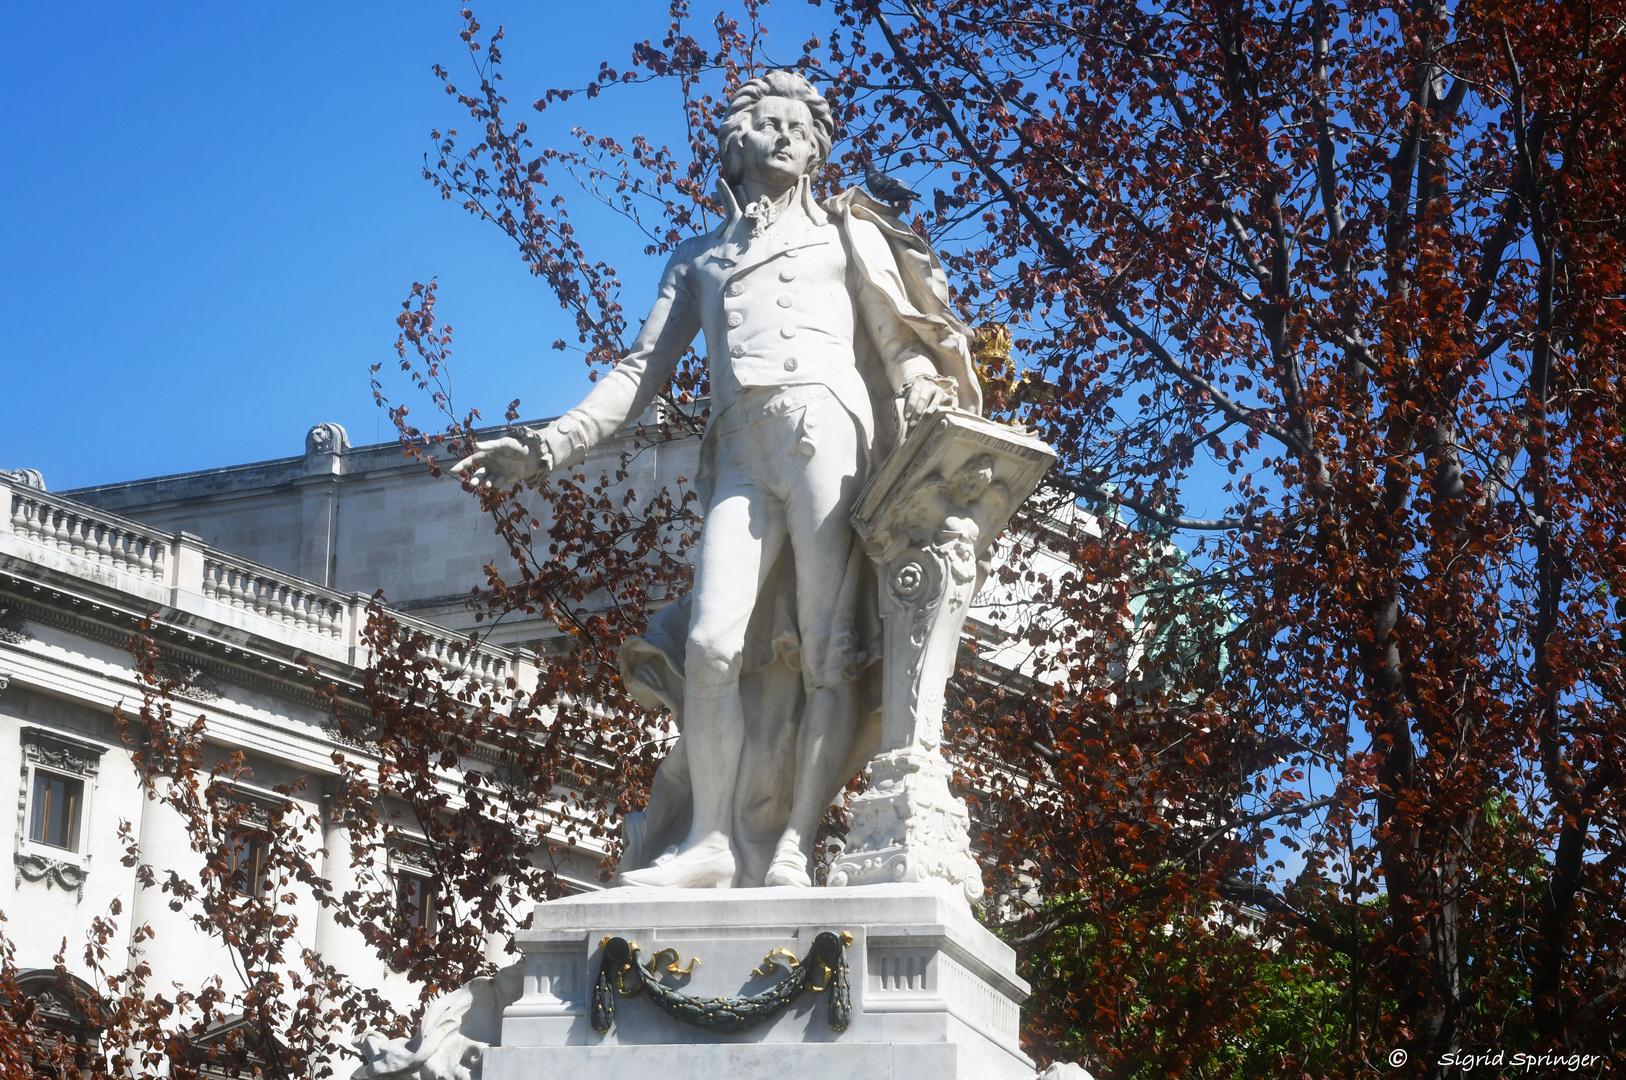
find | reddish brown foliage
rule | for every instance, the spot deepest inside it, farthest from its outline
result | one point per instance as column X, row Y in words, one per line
column 1326, row 293
column 1348, row 277
column 1367, row 260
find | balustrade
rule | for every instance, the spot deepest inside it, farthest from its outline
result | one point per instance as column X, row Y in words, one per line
column 451, row 654
column 123, row 545
column 184, row 563
column 277, row 597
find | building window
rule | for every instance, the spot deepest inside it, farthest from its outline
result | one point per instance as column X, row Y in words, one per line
column 246, row 817
column 66, row 1020
column 250, row 870
column 53, row 819
column 415, row 902
column 57, row 804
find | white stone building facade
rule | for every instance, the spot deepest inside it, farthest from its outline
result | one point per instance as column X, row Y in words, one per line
column 236, row 636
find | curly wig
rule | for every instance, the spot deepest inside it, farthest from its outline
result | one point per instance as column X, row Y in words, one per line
column 785, row 84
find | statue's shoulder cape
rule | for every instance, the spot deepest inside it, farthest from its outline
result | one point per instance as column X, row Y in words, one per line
column 902, row 270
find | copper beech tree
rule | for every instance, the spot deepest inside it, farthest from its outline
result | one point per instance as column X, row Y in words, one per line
column 1315, row 751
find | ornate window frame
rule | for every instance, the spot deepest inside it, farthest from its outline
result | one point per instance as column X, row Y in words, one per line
column 63, row 1001
column 407, row 857
column 256, row 807
column 65, row 755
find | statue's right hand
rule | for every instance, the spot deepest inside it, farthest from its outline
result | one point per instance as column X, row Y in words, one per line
column 506, row 461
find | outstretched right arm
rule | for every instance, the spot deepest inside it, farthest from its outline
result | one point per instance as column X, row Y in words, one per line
column 619, row 396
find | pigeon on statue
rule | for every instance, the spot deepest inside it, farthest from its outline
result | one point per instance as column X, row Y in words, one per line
column 887, row 188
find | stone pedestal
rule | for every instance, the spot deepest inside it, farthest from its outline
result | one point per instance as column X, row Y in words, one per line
column 932, row 992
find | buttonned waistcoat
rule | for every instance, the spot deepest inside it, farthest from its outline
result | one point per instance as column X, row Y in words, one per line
column 803, row 303
column 786, row 316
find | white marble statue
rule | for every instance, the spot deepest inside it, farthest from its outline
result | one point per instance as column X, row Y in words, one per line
column 1065, row 1070
column 828, row 332
column 452, row 1038
column 852, row 495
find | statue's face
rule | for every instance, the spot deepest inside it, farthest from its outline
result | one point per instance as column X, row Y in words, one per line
column 778, row 146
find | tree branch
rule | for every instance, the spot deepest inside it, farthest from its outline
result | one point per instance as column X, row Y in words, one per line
column 1063, row 254
column 1079, row 486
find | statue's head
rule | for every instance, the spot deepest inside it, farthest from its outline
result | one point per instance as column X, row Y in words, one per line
column 777, row 123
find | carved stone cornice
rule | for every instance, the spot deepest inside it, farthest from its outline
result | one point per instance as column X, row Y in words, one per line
column 233, row 664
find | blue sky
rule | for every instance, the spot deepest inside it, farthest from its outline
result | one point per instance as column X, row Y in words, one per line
column 213, row 211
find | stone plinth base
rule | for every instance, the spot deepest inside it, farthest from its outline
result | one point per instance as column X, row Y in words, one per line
column 732, row 1061
column 933, row 993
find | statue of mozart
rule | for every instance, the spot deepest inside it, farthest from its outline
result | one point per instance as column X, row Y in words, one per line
column 828, row 333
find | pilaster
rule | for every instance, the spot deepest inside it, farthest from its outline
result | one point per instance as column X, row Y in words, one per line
column 325, row 446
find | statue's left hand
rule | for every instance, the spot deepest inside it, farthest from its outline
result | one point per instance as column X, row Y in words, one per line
column 925, row 393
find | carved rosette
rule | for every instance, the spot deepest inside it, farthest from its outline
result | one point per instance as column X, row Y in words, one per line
column 928, row 520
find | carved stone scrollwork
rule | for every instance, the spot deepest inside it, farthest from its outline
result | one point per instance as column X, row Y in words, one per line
column 60, row 752
column 928, row 520
column 13, row 630
column 67, row 876
column 190, row 680
column 62, row 1002
column 908, row 826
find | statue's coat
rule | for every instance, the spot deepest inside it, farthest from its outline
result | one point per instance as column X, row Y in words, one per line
column 892, row 268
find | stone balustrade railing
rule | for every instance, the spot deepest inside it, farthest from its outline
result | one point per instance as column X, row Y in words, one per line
column 182, row 574
column 300, row 604
column 79, row 530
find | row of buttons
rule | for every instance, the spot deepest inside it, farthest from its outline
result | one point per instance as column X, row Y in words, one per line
column 736, row 288
column 735, row 318
column 784, row 301
column 737, row 351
